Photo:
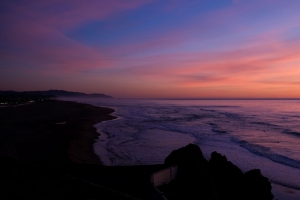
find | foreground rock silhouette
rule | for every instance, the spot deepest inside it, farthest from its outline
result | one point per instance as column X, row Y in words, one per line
column 215, row 179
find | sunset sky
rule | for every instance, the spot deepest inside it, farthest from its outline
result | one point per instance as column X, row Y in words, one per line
column 152, row 49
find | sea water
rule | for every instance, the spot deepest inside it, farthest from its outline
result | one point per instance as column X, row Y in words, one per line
column 262, row 134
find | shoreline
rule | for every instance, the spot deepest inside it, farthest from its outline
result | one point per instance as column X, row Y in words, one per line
column 73, row 126
column 46, row 151
column 280, row 191
column 52, row 132
column 87, row 135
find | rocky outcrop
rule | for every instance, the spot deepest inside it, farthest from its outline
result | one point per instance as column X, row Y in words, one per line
column 216, row 179
column 226, row 177
column 190, row 154
column 256, row 186
column 192, row 180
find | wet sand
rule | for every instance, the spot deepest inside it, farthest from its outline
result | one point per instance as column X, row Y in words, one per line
column 51, row 132
column 46, row 152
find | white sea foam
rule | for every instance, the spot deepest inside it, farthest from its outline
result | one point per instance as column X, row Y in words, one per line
column 252, row 134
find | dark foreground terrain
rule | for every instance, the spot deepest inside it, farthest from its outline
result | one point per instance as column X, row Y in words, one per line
column 46, row 152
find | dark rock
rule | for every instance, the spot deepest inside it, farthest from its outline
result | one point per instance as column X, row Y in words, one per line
column 190, row 154
column 213, row 180
column 256, row 186
column 226, row 177
column 192, row 181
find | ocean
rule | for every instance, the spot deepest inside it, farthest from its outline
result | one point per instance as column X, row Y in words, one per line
column 263, row 134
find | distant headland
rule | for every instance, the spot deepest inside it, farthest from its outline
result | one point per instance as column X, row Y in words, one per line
column 13, row 97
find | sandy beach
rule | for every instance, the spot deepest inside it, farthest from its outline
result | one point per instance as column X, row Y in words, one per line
column 46, row 152
column 51, row 132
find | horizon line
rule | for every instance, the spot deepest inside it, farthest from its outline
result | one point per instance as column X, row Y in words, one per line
column 220, row 98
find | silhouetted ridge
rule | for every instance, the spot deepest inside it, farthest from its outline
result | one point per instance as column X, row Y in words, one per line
column 63, row 93
column 52, row 93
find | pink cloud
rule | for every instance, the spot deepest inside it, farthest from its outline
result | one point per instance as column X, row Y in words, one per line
column 33, row 32
column 252, row 65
